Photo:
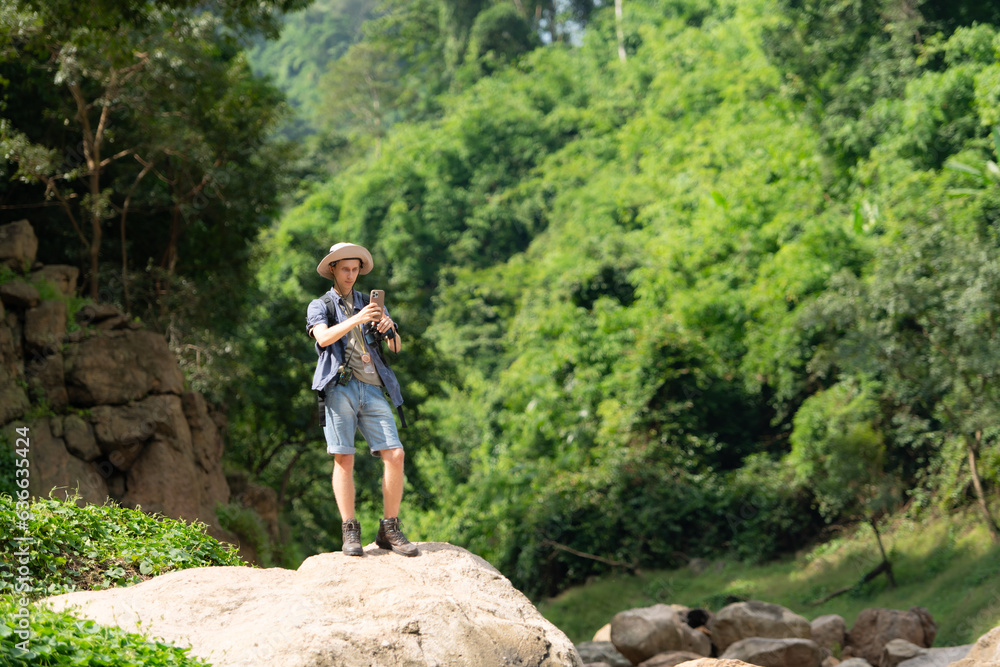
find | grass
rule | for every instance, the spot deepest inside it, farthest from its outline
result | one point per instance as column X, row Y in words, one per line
column 947, row 565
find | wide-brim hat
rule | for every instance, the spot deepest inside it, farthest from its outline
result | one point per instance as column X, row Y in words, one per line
column 339, row 251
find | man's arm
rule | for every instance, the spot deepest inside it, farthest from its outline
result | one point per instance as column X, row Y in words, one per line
column 326, row 336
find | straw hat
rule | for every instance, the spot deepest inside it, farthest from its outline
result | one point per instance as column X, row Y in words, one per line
column 339, row 251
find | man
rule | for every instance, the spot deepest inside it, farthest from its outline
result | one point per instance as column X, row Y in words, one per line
column 353, row 376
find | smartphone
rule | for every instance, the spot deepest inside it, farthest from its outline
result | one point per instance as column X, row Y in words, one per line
column 378, row 297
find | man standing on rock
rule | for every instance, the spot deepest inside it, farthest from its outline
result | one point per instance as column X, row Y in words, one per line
column 351, row 377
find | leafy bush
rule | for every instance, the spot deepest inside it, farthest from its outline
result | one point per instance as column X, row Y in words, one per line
column 99, row 546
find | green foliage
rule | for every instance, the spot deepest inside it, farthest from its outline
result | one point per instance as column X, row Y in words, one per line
column 95, row 546
column 248, row 524
column 58, row 638
column 838, row 452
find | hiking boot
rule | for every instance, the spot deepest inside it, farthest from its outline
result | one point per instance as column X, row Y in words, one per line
column 352, row 538
column 391, row 537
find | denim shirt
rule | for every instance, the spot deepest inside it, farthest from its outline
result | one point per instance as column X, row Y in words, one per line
column 332, row 356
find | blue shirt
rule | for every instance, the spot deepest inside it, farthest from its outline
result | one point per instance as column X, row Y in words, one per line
column 332, row 356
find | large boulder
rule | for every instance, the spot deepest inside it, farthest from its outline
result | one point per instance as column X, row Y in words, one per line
column 984, row 653
column 445, row 607
column 18, row 245
column 714, row 662
column 874, row 628
column 767, row 652
column 639, row 634
column 828, row 631
column 120, row 366
column 743, row 620
column 601, row 651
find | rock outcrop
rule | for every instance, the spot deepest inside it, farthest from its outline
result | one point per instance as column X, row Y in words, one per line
column 102, row 398
column 445, row 607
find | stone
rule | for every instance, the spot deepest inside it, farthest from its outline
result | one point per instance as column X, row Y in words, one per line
column 828, row 631
column 45, row 327
column 18, row 245
column 117, row 426
column 899, row 650
column 855, row 662
column 938, row 657
column 445, row 607
column 79, row 437
column 714, row 662
column 639, row 634
column 62, row 276
column 167, row 478
column 52, row 467
column 13, row 398
column 830, row 661
column 742, row 620
column 120, row 366
column 984, row 653
column 93, row 313
column 767, row 652
column 19, row 294
column 602, row 651
column 875, row 627
column 670, row 659
column 45, row 378
column 604, row 634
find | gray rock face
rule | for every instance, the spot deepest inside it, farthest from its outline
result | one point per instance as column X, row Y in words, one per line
column 876, row 627
column 599, row 651
column 775, row 652
column 639, row 634
column 120, row 366
column 18, row 245
column 743, row 620
column 445, row 607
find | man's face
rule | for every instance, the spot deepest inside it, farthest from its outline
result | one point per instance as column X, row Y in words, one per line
column 346, row 273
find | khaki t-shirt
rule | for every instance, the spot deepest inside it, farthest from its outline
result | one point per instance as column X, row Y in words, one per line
column 353, row 350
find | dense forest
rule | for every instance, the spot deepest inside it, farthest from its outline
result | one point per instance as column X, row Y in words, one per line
column 675, row 278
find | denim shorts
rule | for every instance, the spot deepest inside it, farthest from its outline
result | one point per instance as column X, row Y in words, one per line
column 358, row 406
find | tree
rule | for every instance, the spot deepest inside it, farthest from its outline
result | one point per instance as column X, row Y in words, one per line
column 838, row 452
column 160, row 103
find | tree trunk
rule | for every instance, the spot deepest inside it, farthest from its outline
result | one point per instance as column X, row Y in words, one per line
column 619, row 30
column 885, row 559
column 972, row 445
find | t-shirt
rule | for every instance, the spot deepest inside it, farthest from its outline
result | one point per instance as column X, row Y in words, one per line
column 354, row 347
